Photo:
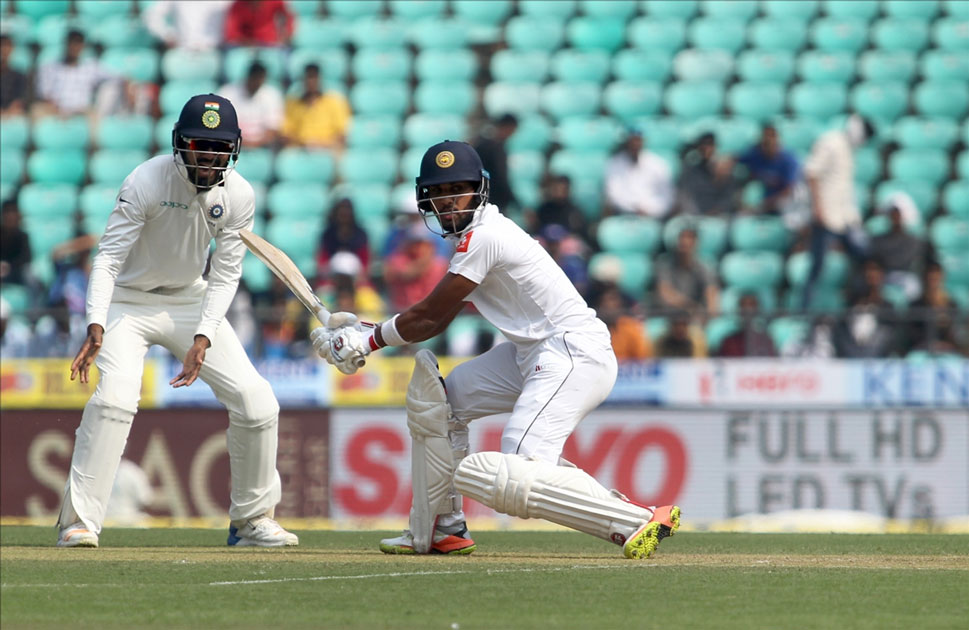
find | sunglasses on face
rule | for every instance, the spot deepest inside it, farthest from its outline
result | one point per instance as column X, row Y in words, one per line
column 209, row 146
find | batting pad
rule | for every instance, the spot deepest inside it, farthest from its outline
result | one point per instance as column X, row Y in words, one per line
column 432, row 458
column 514, row 485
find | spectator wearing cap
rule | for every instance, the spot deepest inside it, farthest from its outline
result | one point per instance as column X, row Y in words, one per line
column 490, row 145
column 703, row 189
column 684, row 282
column 314, row 118
column 197, row 25
column 413, row 269
column 68, row 86
column 638, row 181
column 258, row 23
column 259, row 106
column 557, row 208
column 342, row 234
column 13, row 83
column 902, row 254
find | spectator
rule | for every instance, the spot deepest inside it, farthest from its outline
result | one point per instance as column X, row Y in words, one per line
column 413, row 269
column 557, row 208
column 867, row 330
column 15, row 333
column 68, row 291
column 638, row 181
column 569, row 252
column 683, row 282
column 681, row 340
column 15, row 254
column 68, row 87
column 902, row 254
column 349, row 289
column 284, row 332
column 341, row 234
column 197, row 25
column 773, row 166
column 258, row 23
column 13, row 83
column 314, row 118
column 259, row 105
column 629, row 340
column 406, row 216
column 934, row 317
column 703, row 189
column 750, row 340
column 490, row 145
column 830, row 170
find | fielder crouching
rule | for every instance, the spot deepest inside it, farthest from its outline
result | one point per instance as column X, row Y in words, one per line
column 558, row 366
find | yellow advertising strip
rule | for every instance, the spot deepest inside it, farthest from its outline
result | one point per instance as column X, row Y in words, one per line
column 382, row 383
column 47, row 384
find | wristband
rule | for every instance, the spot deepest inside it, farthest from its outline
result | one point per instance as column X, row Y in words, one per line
column 388, row 331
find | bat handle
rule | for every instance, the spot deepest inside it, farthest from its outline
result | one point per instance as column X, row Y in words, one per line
column 323, row 316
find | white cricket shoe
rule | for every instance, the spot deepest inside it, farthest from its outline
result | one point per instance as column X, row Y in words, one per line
column 77, row 535
column 261, row 531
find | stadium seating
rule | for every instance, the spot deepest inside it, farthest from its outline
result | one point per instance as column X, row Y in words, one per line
column 299, row 165
column 657, row 34
column 124, row 132
column 629, row 234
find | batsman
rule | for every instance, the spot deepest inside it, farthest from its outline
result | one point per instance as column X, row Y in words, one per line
column 557, row 366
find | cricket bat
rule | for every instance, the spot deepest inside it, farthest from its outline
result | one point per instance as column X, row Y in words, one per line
column 286, row 270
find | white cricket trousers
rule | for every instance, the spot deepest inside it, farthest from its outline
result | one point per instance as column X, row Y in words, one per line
column 136, row 321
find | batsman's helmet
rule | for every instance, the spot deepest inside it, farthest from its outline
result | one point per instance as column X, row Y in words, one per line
column 447, row 162
column 207, row 126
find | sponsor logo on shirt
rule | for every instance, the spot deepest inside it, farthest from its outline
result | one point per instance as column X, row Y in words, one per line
column 173, row 204
column 463, row 245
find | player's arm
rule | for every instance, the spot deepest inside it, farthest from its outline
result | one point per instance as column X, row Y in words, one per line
column 427, row 318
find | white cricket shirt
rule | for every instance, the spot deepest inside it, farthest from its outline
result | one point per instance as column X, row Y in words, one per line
column 158, row 236
column 521, row 290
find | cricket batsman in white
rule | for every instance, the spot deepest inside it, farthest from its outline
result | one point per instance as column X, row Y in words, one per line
column 146, row 288
column 558, row 366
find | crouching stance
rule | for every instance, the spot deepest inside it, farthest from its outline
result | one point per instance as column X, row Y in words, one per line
column 557, row 366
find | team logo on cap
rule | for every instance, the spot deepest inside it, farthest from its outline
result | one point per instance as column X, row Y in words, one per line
column 216, row 211
column 211, row 118
column 444, row 159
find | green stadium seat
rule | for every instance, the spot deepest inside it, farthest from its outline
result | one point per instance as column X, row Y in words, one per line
column 381, row 64
column 955, row 196
column 14, row 132
column 526, row 165
column 821, row 302
column 950, row 235
column 633, row 64
column 818, row 100
column 682, row 9
column 778, row 34
column 175, row 93
column 657, row 34
column 718, row 328
column 121, row 31
column 304, row 8
column 376, row 32
column 417, row 10
column 294, row 165
column 752, row 269
column 21, row 58
column 334, row 64
column 733, row 134
column 923, row 9
column 730, row 302
column 850, row 35
column 163, row 132
column 47, row 201
column 533, row 33
column 629, row 234
column 854, row 9
column 238, row 60
column 527, row 192
column 692, row 99
column 900, row 34
column 374, row 132
column 572, row 65
column 962, row 165
column 66, row 166
column 138, row 64
column 956, row 268
column 599, row 133
column 423, row 130
column 913, row 132
column 882, row 102
column 124, row 132
column 371, row 203
column 426, row 34
column 316, row 33
column 759, row 233
column 521, row 99
column 17, row 296
column 39, row 9
column 562, row 100
column 636, row 275
column 887, row 65
column 6, row 191
column 367, row 166
column 445, row 97
column 949, row 99
column 730, row 9
column 298, row 237
column 256, row 164
column 355, row 9
column 703, row 65
column 410, row 163
column 820, row 66
column 943, row 65
column 54, row 132
column 758, row 101
column 96, row 204
column 579, row 165
column 868, row 165
column 919, row 164
column 593, row 33
column 255, row 274
column 587, row 194
column 297, row 198
column 379, row 97
column 834, row 269
column 622, row 9
column 923, row 193
column 717, row 34
column 193, row 65
column 529, row 66
column 45, row 235
column 545, row 10
column 485, row 17
column 769, row 66
column 711, row 234
column 534, row 133
column 628, row 100
column 12, row 166
column 112, row 166
column 951, row 33
column 788, row 333
column 791, row 9
column 52, row 29
column 956, row 8
column 660, row 133
column 446, row 65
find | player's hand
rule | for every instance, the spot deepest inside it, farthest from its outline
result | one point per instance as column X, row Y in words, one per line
column 320, row 338
column 89, row 350
column 348, row 347
column 194, row 359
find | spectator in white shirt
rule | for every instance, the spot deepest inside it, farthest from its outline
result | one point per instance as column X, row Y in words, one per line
column 638, row 181
column 67, row 87
column 259, row 105
column 197, row 25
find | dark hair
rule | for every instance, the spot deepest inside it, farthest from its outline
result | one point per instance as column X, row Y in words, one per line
column 311, row 67
column 10, row 205
column 257, row 67
column 74, row 35
column 506, row 119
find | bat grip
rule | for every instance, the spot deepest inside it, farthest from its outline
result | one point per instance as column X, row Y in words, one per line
column 323, row 316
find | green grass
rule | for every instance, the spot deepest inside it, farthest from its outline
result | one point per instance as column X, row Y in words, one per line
column 169, row 578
